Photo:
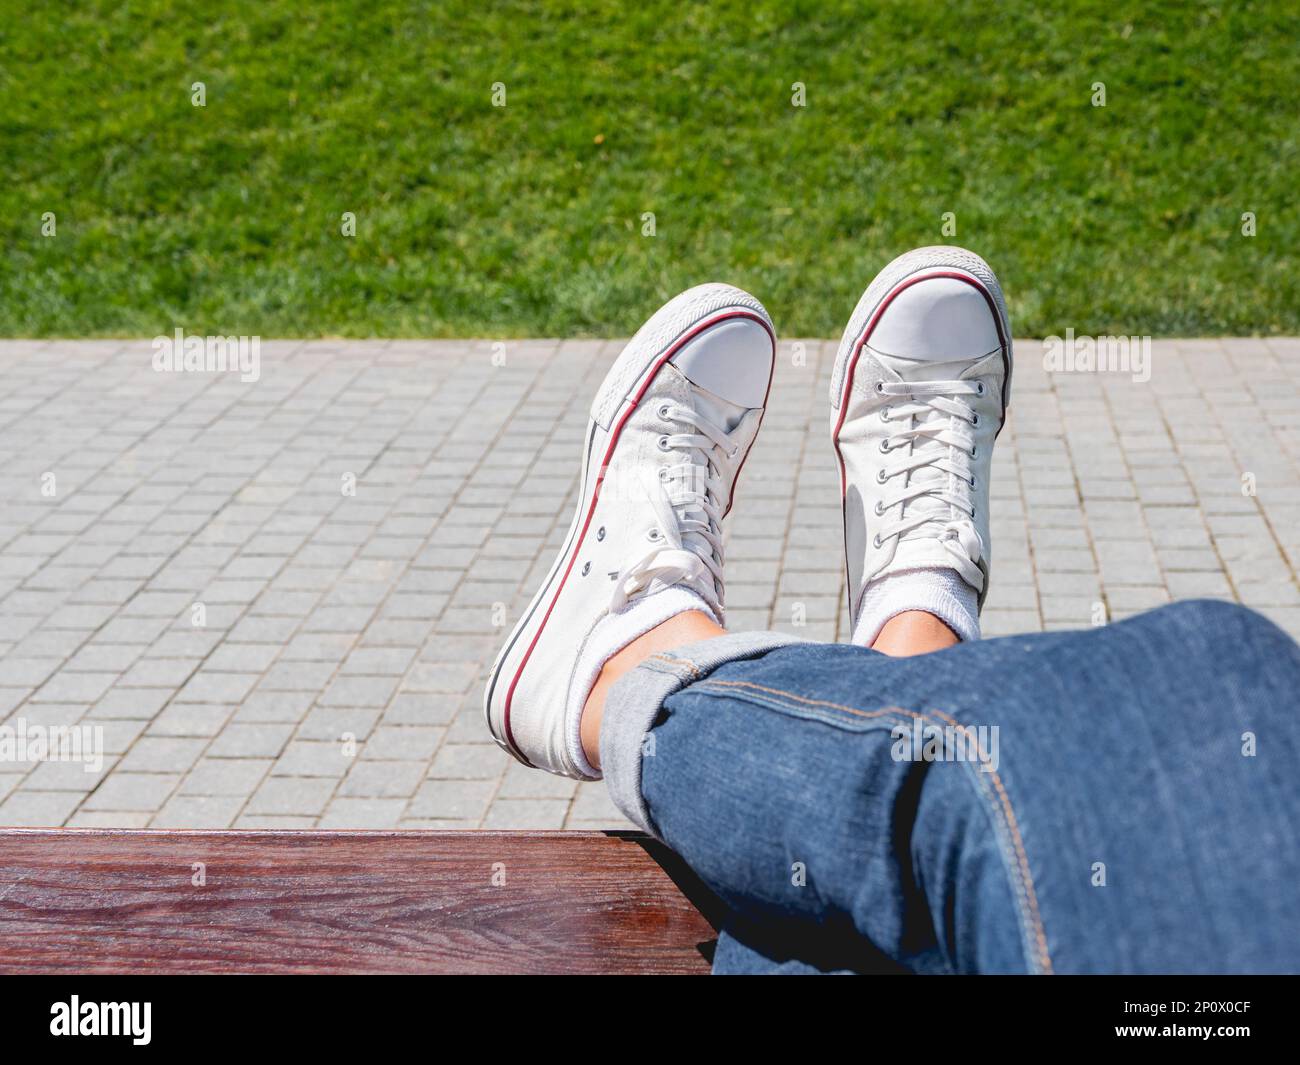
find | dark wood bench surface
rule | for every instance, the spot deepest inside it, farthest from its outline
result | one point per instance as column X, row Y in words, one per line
column 88, row 900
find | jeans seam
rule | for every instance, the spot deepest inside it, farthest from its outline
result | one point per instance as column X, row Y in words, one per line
column 1025, row 893
column 675, row 664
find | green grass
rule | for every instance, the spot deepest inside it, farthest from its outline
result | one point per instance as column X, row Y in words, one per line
column 526, row 220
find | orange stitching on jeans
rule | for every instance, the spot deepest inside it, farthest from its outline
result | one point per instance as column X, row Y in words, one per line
column 1009, row 814
column 669, row 660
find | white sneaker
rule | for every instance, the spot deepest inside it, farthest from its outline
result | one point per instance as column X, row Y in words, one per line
column 918, row 394
column 670, row 428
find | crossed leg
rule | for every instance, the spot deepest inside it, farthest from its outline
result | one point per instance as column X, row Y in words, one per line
column 913, row 632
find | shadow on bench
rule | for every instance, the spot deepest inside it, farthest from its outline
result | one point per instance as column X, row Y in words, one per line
column 87, row 900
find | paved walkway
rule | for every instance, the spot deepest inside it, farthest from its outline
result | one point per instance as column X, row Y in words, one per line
column 278, row 600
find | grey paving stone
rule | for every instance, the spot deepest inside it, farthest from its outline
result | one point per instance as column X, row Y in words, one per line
column 74, row 687
column 523, row 783
column 117, row 735
column 250, row 741
column 84, row 818
column 469, row 761
column 439, row 824
column 376, row 779
column 275, row 707
column 1009, row 622
column 379, row 661
column 446, row 677
column 403, row 742
column 527, row 813
column 1127, row 600
column 105, row 658
column 159, row 754
column 190, row 719
column 421, row 709
column 133, row 791
column 245, row 658
column 336, row 723
column 464, row 800
column 27, row 672
column 159, row 673
column 70, row 775
column 368, row 812
column 359, row 692
column 592, row 803
column 225, row 776
column 207, row 687
column 306, row 758
column 309, row 676
column 39, row 809
column 275, row 822
column 301, row 796
column 199, row 811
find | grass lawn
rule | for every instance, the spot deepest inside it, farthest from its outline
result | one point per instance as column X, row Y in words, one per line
column 478, row 220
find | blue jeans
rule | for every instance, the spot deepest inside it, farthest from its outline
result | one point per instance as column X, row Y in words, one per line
column 1121, row 799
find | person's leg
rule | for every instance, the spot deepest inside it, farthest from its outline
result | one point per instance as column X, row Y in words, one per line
column 1117, row 800
column 910, row 633
column 679, row 630
column 913, row 632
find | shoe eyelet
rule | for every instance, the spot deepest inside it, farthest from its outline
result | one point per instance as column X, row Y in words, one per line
column 586, row 569
column 884, row 447
column 974, row 418
column 880, row 387
column 663, row 443
column 881, row 477
column 973, row 452
column 972, row 482
column 664, row 411
column 880, row 509
column 884, row 414
column 600, row 533
column 972, row 512
column 663, row 473
column 653, row 534
column 877, row 541
column 979, row 388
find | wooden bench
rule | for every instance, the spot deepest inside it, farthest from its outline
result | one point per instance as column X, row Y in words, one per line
column 109, row 901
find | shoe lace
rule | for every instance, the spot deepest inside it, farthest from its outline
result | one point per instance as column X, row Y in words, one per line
column 687, row 500
column 936, row 474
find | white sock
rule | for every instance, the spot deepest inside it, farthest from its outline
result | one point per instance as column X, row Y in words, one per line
column 611, row 634
column 939, row 591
